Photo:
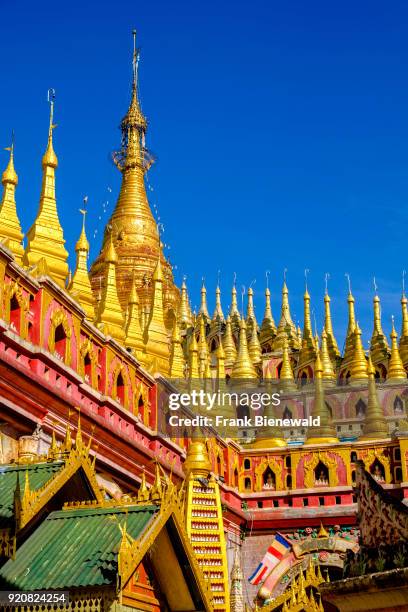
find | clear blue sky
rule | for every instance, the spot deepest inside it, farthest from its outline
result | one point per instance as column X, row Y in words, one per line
column 280, row 130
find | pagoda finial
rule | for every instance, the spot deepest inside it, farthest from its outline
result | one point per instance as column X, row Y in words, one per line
column 45, row 238
column 80, row 285
column 396, row 369
column 308, row 350
column 403, row 343
column 250, row 315
column 268, row 327
column 203, row 305
column 177, row 362
column 328, row 326
column 10, row 227
column 375, row 425
column 254, row 347
column 325, row 431
column 349, row 343
column 379, row 345
column 218, row 316
column 243, row 368
column 286, row 328
column 134, row 334
column 286, row 377
column 185, row 313
column 329, row 375
column 234, row 310
column 110, row 316
column 156, row 336
column 358, row 365
column 229, row 344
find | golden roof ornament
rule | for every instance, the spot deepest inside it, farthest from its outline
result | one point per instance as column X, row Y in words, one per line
column 286, row 328
column 177, row 363
column 10, row 227
column 218, row 316
column 250, row 315
column 243, row 368
column 197, row 461
column 379, row 346
column 358, row 365
column 133, row 329
column 80, row 285
column 193, row 372
column 110, row 316
column 349, row 343
column 185, row 316
column 203, row 305
column 45, row 238
column 308, row 349
column 254, row 347
column 220, row 354
column 325, row 432
column 403, row 343
column 156, row 337
column 329, row 375
column 396, row 369
column 375, row 425
column 234, row 310
column 328, row 326
column 286, row 377
column 229, row 344
column 268, row 327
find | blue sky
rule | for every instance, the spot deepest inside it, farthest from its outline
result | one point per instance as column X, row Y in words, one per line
column 280, row 130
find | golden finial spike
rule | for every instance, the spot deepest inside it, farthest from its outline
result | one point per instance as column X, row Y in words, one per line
column 80, row 285
column 329, row 376
column 379, row 345
column 286, row 373
column 396, row 369
column 308, row 348
column 110, row 316
column 268, row 327
column 78, row 438
column 286, row 328
column 403, row 343
column 375, row 425
column 53, row 450
column 193, row 370
column 358, row 365
column 134, row 334
column 45, row 238
column 254, row 347
column 185, row 314
column 349, row 344
column 250, row 315
column 10, row 227
column 328, row 326
column 234, row 310
column 156, row 337
column 325, row 431
column 243, row 368
column 218, row 316
column 177, row 362
column 203, row 305
column 229, row 345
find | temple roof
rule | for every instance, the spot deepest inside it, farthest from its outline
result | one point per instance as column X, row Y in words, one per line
column 79, row 558
column 39, row 475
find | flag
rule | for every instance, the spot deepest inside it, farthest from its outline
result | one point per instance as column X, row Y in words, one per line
column 276, row 551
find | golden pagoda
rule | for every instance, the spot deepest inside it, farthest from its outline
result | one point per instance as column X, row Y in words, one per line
column 45, row 238
column 132, row 227
column 80, row 286
column 10, row 228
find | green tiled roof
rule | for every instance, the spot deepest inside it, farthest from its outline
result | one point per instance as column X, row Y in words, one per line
column 74, row 548
column 39, row 474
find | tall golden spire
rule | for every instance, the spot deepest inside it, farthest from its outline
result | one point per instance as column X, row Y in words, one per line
column 243, row 368
column 325, row 431
column 254, row 347
column 193, row 372
column 45, row 238
column 229, row 344
column 218, row 316
column 375, row 425
column 185, row 318
column 286, row 328
column 80, row 286
column 234, row 310
column 328, row 374
column 349, row 344
column 203, row 353
column 203, row 305
column 10, row 228
column 132, row 225
column 396, row 369
column 358, row 365
column 134, row 333
column 403, row 343
column 220, row 363
column 286, row 377
column 110, row 316
column 177, row 363
column 308, row 350
column 250, row 316
column 268, row 327
column 328, row 326
column 156, row 337
column 379, row 346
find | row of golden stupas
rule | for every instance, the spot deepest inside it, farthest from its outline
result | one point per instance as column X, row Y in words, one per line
column 130, row 294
